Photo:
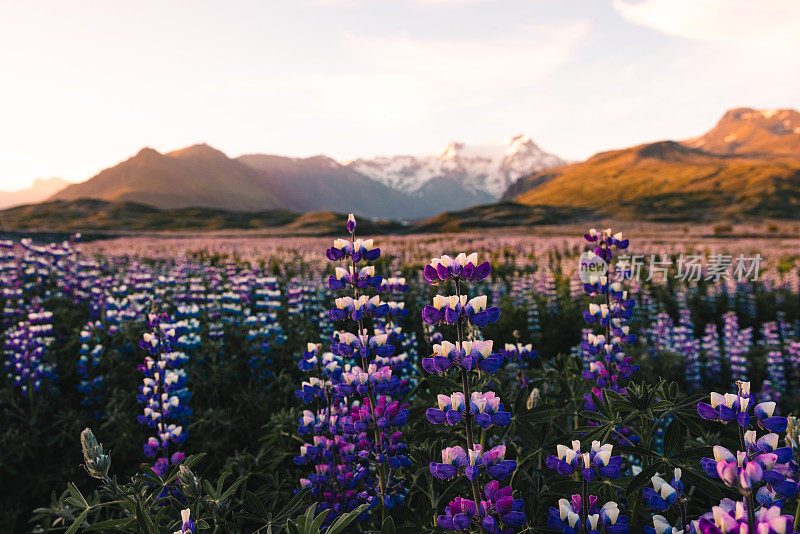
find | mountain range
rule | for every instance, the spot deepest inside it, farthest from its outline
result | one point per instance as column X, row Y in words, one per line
column 747, row 166
column 480, row 173
column 402, row 187
column 39, row 190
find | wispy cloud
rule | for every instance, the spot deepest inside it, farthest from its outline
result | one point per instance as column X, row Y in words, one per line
column 759, row 26
column 402, row 78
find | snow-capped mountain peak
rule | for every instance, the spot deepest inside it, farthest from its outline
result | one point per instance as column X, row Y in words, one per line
column 484, row 169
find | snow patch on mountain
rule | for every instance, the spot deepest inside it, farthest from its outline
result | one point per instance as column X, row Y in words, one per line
column 482, row 169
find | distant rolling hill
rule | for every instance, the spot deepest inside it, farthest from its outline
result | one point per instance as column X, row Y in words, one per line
column 396, row 187
column 195, row 176
column 320, row 183
column 40, row 190
column 202, row 176
column 102, row 217
column 92, row 215
column 747, row 166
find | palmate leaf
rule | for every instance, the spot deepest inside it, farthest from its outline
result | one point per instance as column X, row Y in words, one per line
column 314, row 526
column 700, row 480
column 309, row 524
column 694, row 453
column 595, row 416
column 255, row 506
column 673, row 437
column 388, row 526
column 109, row 524
column 143, row 519
column 636, row 451
column 344, row 520
column 540, row 414
column 78, row 521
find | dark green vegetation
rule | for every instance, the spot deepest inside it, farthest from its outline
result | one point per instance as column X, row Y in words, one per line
column 89, row 215
column 243, row 426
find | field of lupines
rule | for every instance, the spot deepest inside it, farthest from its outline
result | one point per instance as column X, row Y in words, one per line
column 427, row 384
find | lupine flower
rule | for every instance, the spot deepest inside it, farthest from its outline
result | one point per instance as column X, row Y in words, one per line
column 519, row 352
column 762, row 460
column 567, row 517
column 661, row 526
column 393, row 284
column 455, row 460
column 497, row 511
column 360, row 346
column 462, row 267
column 663, row 494
column 596, row 462
column 356, row 309
column 347, row 461
column 449, row 310
column 725, row 408
column 360, row 249
column 486, row 407
column 187, row 525
column 471, row 354
column 364, row 278
column 730, row 518
column 611, row 239
column 737, row 471
column 163, row 394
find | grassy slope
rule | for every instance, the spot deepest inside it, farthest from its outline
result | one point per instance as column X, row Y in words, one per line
column 668, row 181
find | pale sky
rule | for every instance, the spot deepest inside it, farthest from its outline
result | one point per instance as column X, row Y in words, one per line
column 85, row 85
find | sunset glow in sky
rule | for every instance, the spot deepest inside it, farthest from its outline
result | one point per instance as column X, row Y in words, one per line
column 87, row 84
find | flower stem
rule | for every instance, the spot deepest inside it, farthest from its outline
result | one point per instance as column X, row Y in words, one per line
column 748, row 498
column 585, row 506
column 467, row 407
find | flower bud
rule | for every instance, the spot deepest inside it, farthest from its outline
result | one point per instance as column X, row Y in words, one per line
column 190, row 484
column 96, row 462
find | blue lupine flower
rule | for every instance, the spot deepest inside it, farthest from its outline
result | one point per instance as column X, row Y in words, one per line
column 663, row 494
column 725, row 408
column 472, row 354
column 456, row 460
column 486, row 408
column 596, row 462
column 187, row 525
column 661, row 526
column 462, row 267
column 449, row 310
column 567, row 517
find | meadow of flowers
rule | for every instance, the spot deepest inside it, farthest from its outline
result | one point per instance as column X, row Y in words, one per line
column 397, row 384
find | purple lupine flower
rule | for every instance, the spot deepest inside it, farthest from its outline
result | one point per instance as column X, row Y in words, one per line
column 597, row 462
column 352, row 387
column 737, row 406
column 187, row 525
column 732, row 518
column 472, row 354
column 449, row 310
column 497, row 513
column 567, row 517
column 661, row 526
column 461, row 268
column 663, row 494
column 486, row 407
column 163, row 393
